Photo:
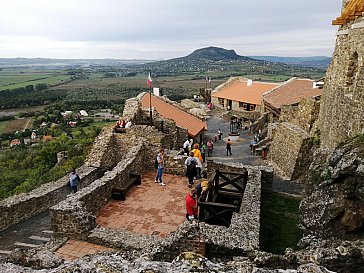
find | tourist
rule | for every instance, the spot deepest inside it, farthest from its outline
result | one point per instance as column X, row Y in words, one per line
column 210, row 147
column 128, row 124
column 219, row 134
column 203, row 152
column 186, row 146
column 191, row 168
column 191, row 205
column 160, row 160
column 228, row 147
column 196, row 151
column 252, row 146
column 121, row 123
column 74, row 180
column 197, row 155
column 202, row 188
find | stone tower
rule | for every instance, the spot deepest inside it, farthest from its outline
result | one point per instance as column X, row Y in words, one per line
column 342, row 105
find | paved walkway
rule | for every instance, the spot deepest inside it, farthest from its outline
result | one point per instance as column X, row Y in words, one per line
column 149, row 209
column 76, row 249
column 240, row 150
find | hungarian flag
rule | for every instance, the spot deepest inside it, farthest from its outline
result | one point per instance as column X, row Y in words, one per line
column 149, row 80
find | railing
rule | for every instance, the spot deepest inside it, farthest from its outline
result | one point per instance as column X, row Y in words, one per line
column 226, row 190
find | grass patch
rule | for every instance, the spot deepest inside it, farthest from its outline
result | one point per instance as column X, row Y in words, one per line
column 279, row 222
column 3, row 126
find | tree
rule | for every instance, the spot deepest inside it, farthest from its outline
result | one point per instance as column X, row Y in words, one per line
column 41, row 86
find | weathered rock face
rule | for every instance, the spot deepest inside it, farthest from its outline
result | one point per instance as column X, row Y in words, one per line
column 342, row 103
column 335, row 202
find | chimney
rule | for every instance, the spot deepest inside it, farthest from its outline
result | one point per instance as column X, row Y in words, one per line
column 249, row 82
column 319, row 85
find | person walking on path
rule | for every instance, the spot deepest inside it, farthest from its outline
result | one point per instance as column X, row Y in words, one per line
column 74, row 180
column 210, row 147
column 219, row 134
column 196, row 151
column 203, row 152
column 191, row 205
column 191, row 168
column 160, row 160
column 228, row 147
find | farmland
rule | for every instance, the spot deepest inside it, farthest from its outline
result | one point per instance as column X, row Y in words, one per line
column 10, row 126
column 11, row 78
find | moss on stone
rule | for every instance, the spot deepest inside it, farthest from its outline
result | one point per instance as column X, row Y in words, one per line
column 279, row 222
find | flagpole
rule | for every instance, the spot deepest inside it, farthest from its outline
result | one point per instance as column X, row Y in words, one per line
column 150, row 100
column 150, row 106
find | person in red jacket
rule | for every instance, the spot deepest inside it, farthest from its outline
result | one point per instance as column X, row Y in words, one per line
column 191, row 205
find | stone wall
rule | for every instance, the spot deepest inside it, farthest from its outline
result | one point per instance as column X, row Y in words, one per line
column 74, row 217
column 290, row 150
column 240, row 237
column 20, row 207
column 106, row 151
column 304, row 115
column 342, row 103
column 174, row 135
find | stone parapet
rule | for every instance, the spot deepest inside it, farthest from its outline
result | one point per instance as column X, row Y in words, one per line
column 20, row 207
column 75, row 216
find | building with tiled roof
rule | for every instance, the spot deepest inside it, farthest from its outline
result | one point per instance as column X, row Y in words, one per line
column 194, row 125
column 15, row 142
column 240, row 94
column 290, row 93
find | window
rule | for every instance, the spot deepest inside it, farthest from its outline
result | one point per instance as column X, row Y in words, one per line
column 243, row 105
column 252, row 107
column 221, row 102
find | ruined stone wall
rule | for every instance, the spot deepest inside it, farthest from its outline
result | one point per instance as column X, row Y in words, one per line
column 342, row 103
column 304, row 115
column 290, row 150
column 75, row 216
column 23, row 206
column 174, row 135
column 241, row 236
column 105, row 152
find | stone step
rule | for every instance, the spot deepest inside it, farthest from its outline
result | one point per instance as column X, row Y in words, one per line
column 25, row 244
column 47, row 231
column 38, row 238
column 5, row 252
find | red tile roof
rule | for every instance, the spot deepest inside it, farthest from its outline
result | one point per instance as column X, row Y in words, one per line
column 183, row 119
column 292, row 92
column 240, row 91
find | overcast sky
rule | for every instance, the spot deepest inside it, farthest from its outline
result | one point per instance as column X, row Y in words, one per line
column 163, row 29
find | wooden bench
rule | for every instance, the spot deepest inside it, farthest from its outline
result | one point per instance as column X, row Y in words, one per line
column 119, row 130
column 120, row 193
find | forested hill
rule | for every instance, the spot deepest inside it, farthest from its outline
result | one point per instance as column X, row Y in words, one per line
column 215, row 60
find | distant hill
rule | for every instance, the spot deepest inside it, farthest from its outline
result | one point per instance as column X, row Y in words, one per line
column 222, row 63
column 215, row 54
column 315, row 61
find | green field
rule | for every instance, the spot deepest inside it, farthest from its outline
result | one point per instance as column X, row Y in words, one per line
column 3, row 126
column 15, row 78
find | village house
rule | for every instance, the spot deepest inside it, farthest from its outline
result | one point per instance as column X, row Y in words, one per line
column 240, row 94
column 195, row 126
column 290, row 93
column 14, row 142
